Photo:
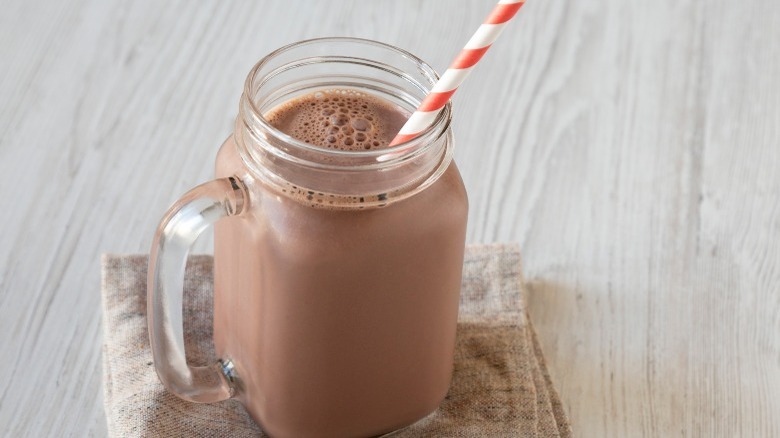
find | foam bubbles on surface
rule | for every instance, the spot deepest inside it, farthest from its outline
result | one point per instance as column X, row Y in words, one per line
column 340, row 118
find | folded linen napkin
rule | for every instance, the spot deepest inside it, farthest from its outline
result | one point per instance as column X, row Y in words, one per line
column 500, row 385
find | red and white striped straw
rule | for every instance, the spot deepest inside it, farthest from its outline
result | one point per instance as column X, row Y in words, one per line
column 449, row 82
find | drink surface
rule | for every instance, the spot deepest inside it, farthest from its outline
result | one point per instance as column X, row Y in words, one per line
column 339, row 322
column 339, row 118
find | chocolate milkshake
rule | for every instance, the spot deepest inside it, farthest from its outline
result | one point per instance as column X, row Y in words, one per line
column 347, row 315
column 337, row 258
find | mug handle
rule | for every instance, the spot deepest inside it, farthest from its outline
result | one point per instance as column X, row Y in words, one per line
column 182, row 224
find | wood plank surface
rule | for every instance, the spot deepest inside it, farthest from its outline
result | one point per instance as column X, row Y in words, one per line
column 632, row 148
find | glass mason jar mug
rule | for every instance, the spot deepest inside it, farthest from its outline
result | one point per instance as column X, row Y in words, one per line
column 336, row 273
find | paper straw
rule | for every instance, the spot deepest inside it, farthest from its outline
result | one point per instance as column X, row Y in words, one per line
column 460, row 68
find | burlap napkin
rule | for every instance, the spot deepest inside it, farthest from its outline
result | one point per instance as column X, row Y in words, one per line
column 500, row 385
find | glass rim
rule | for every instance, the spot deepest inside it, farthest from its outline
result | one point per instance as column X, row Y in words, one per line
column 437, row 128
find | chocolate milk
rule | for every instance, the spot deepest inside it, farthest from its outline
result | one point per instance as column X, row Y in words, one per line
column 346, row 317
column 339, row 119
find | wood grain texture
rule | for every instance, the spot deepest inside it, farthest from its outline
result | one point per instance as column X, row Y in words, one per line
column 633, row 148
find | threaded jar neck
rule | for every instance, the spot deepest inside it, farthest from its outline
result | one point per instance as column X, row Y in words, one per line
column 341, row 178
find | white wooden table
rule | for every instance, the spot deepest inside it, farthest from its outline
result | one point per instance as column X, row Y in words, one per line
column 632, row 148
